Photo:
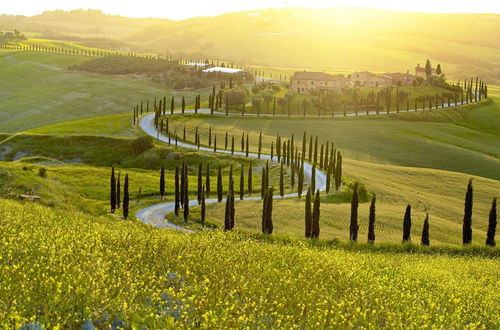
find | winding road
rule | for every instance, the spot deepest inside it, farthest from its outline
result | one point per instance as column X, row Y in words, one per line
column 155, row 215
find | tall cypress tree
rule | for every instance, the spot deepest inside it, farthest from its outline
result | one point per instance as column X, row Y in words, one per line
column 250, row 184
column 425, row 231
column 313, row 178
column 125, row 198
column 118, row 192
column 260, row 144
column 112, row 196
column 162, row 182
column 467, row 223
column 267, row 212
column 371, row 221
column 263, row 187
column 242, row 183
column 186, row 195
column 183, row 105
column 232, row 145
column 308, row 215
column 353, row 227
column 247, row 147
column 242, row 141
column 492, row 224
column 407, row 225
column 227, row 214
column 200, row 181
column 203, row 207
column 300, row 181
column 172, row 105
column 182, row 185
column 282, row 183
column 315, row 216
column 219, row 185
column 177, row 191
column 207, row 181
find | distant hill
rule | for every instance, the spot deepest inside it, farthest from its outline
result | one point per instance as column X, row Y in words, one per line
column 339, row 38
column 80, row 22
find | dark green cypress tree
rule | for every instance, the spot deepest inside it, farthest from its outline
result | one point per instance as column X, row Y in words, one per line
column 177, row 191
column 292, row 176
column 162, row 182
column 112, row 197
column 263, row 187
column 219, row 185
column 232, row 145
column 371, row 221
column 308, row 215
column 316, row 150
column 215, row 142
column 225, row 142
column 492, row 224
column 172, row 105
column 304, row 143
column 200, row 181
column 313, row 178
column 227, row 214
column 183, row 105
column 242, row 183
column 272, row 149
column 321, row 157
column 315, row 216
column 467, row 223
column 242, row 141
column 353, row 227
column 247, row 147
column 425, row 231
column 231, row 209
column 267, row 211
column 210, row 136
column 207, row 181
column 282, row 183
column 203, row 207
column 186, row 195
column 407, row 225
column 310, row 147
column 300, row 181
column 118, row 192
column 125, row 198
column 250, row 184
column 260, row 144
column 182, row 185
column 328, row 175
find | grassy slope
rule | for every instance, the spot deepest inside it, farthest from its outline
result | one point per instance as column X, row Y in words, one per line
column 39, row 91
column 86, row 268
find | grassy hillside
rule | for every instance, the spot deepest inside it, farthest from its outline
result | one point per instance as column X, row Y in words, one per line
column 39, row 91
column 125, row 274
column 337, row 38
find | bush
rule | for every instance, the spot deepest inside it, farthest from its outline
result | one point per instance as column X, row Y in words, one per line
column 42, row 172
column 142, row 143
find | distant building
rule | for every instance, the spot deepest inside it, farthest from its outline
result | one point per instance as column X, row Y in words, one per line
column 223, row 72
column 369, row 79
column 303, row 82
column 197, row 65
column 420, row 71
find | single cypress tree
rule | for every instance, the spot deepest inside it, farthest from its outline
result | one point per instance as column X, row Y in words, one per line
column 172, row 105
column 272, row 149
column 310, row 147
column 308, row 215
column 407, row 225
column 267, row 213
column 467, row 223
column 232, row 145
column 186, row 195
column 182, row 185
column 263, row 187
column 313, row 178
column 353, row 227
column 177, row 191
column 260, row 144
column 247, row 147
column 316, row 150
column 219, row 185
column 300, row 181
column 292, row 176
column 215, row 142
column 315, row 216
column 425, row 231
column 118, row 192
column 203, row 207
column 492, row 224
column 282, row 183
column 242, row 141
column 183, row 105
column 210, row 136
column 371, row 221
column 227, row 214
column 162, row 182
column 112, row 197
column 328, row 175
column 242, row 183
column 207, row 181
column 250, row 184
column 225, row 142
column 125, row 198
column 321, row 157
column 200, row 181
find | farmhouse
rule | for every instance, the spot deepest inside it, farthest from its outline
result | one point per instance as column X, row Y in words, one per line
column 303, row 82
column 420, row 71
column 370, row 79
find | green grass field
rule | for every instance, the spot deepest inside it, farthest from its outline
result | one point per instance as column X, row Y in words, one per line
column 40, row 91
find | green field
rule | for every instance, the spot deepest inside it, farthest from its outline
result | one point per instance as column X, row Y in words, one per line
column 39, row 91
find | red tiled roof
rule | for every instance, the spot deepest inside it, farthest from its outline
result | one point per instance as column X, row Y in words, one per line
column 306, row 75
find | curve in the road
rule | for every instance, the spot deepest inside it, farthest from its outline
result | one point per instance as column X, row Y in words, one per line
column 155, row 215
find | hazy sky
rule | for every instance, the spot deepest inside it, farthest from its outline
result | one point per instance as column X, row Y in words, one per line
column 179, row 9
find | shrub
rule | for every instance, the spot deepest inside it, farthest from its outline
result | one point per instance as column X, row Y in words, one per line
column 142, row 143
column 42, row 172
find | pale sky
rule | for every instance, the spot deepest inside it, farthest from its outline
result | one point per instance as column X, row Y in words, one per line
column 180, row 9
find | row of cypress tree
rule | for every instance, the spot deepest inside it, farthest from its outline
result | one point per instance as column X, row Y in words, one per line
column 115, row 193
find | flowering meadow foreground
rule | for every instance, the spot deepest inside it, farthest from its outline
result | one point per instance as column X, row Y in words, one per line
column 66, row 269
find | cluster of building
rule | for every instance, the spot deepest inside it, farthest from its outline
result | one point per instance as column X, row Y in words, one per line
column 303, row 82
